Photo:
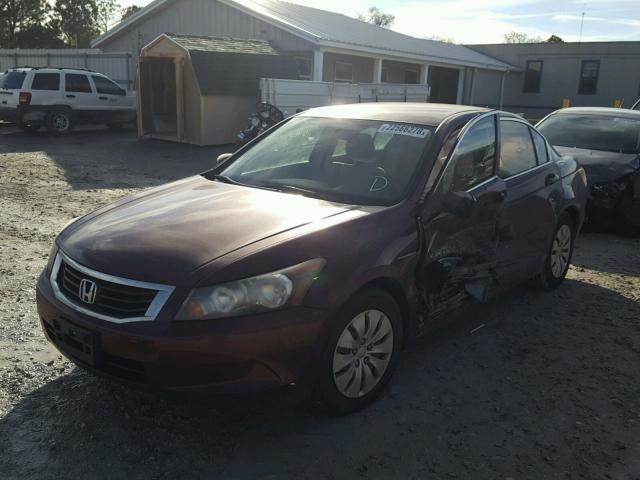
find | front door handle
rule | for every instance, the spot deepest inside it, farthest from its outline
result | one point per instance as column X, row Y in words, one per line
column 71, row 96
column 551, row 179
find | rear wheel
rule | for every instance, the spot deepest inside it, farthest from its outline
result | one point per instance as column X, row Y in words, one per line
column 628, row 215
column 558, row 259
column 59, row 122
column 360, row 355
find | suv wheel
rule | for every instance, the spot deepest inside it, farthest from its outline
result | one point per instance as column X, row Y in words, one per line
column 361, row 351
column 557, row 261
column 59, row 122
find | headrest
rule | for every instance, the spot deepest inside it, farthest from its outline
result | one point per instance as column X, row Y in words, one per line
column 360, row 148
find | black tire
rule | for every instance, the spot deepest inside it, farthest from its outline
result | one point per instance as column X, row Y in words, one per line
column 628, row 215
column 28, row 127
column 550, row 277
column 375, row 302
column 59, row 122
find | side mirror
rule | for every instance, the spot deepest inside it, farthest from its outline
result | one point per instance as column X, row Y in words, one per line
column 460, row 204
column 222, row 158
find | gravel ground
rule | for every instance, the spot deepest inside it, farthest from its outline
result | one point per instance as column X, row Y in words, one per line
column 532, row 385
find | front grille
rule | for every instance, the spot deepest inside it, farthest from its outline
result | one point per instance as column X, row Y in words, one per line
column 112, row 299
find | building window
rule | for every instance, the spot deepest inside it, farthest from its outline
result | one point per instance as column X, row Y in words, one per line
column 304, row 67
column 532, row 76
column 589, row 77
column 343, row 72
column 384, row 76
column 411, row 76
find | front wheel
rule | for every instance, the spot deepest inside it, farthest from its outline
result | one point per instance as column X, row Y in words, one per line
column 558, row 259
column 361, row 351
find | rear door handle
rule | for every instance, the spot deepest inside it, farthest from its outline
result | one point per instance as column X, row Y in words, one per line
column 103, row 98
column 551, row 179
column 71, row 96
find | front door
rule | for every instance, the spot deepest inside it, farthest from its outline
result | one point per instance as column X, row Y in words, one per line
column 79, row 95
column 534, row 191
column 460, row 221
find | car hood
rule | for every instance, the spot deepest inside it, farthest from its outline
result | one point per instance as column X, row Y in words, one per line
column 603, row 166
column 163, row 236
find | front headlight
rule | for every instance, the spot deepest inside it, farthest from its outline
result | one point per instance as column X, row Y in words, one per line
column 52, row 257
column 252, row 295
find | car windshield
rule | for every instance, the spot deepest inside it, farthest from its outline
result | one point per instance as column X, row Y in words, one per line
column 592, row 132
column 351, row 161
column 12, row 80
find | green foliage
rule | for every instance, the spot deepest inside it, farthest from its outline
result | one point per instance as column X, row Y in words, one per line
column 18, row 17
column 128, row 11
column 555, row 39
column 77, row 21
column 377, row 17
column 521, row 37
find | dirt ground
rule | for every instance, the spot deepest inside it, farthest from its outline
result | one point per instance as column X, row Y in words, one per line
column 533, row 385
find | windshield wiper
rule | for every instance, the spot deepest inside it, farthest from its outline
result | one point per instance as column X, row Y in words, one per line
column 224, row 179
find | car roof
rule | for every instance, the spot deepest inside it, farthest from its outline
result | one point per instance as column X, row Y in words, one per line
column 51, row 70
column 420, row 113
column 606, row 111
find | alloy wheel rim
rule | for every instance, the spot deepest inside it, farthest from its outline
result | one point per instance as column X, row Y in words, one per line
column 60, row 122
column 560, row 251
column 363, row 353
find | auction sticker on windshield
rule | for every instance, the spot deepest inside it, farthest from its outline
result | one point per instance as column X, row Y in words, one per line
column 403, row 129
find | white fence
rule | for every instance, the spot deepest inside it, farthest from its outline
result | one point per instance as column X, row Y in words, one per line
column 294, row 95
column 116, row 66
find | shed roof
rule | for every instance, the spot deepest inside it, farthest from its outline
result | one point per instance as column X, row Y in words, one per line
column 335, row 30
column 223, row 44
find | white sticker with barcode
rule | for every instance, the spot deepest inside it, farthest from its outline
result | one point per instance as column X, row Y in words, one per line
column 403, row 129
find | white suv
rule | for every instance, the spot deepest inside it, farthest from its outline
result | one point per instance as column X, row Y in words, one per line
column 58, row 98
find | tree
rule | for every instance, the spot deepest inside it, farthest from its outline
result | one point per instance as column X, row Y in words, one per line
column 377, row 17
column 40, row 36
column 555, row 39
column 107, row 13
column 19, row 16
column 520, row 37
column 77, row 20
column 128, row 11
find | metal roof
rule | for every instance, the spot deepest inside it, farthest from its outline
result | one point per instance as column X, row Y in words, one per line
column 334, row 30
column 421, row 113
column 223, row 44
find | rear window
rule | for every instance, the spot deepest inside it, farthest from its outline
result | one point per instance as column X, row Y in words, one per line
column 592, row 132
column 46, row 81
column 12, row 80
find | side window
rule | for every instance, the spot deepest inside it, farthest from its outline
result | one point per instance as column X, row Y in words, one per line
column 473, row 159
column 541, row 147
column 106, row 86
column 75, row 82
column 46, row 81
column 516, row 149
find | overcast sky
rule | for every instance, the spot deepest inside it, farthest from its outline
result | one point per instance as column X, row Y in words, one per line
column 480, row 21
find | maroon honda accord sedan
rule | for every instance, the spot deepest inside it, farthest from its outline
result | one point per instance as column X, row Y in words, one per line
column 311, row 255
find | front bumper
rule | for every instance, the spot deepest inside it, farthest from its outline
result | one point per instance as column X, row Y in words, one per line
column 243, row 354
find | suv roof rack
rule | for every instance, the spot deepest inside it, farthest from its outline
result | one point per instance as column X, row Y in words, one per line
column 52, row 68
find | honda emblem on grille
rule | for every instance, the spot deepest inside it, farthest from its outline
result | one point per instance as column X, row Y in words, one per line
column 87, row 291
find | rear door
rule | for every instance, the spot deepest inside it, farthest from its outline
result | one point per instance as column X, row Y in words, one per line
column 534, row 192
column 460, row 238
column 79, row 95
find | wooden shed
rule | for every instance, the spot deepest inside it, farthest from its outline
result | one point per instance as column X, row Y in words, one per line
column 200, row 90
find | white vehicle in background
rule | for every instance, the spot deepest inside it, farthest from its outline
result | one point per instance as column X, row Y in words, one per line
column 59, row 98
